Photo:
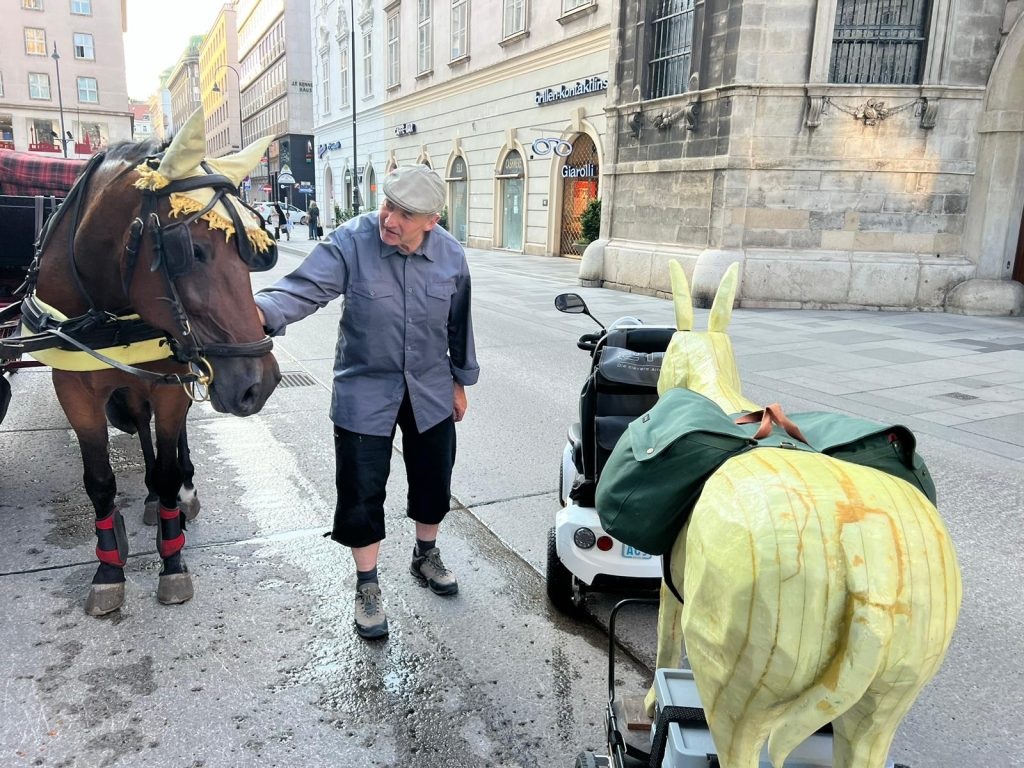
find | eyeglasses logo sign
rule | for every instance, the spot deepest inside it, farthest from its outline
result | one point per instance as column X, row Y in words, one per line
column 551, row 145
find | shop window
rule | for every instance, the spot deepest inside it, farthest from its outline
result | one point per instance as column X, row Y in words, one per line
column 580, row 175
column 513, row 201
column 458, row 200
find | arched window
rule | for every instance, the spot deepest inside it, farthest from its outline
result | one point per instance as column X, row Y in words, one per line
column 371, row 189
column 579, row 186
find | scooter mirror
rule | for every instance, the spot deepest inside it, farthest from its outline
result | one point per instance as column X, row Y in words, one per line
column 572, row 303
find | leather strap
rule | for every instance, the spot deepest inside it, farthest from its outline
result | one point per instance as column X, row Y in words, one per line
column 770, row 416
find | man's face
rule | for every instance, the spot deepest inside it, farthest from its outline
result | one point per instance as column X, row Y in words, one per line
column 404, row 229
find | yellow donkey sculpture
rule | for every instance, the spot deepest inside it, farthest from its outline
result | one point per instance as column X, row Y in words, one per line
column 815, row 590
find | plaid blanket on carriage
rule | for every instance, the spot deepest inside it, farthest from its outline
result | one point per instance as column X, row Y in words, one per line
column 25, row 173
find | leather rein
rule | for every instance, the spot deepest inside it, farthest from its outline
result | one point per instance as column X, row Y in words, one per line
column 172, row 258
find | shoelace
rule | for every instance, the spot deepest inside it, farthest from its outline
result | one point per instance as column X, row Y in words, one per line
column 434, row 558
column 371, row 601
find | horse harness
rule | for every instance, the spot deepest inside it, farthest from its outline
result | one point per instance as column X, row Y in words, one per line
column 173, row 257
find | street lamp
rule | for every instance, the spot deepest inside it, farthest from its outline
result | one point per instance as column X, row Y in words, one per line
column 217, row 89
column 60, row 101
column 355, row 155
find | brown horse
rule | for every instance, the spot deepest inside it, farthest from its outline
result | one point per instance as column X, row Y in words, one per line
column 161, row 242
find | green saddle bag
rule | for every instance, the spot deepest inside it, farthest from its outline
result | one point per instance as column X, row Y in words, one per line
column 657, row 470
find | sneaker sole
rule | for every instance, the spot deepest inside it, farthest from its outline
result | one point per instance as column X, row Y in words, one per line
column 443, row 591
column 372, row 633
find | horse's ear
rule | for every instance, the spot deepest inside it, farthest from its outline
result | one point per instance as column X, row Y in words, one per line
column 237, row 166
column 721, row 307
column 186, row 151
column 681, row 296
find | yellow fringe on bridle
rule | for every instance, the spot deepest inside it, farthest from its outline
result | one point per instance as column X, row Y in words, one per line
column 182, row 205
column 150, row 178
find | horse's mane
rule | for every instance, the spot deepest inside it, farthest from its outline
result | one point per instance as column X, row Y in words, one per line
column 134, row 151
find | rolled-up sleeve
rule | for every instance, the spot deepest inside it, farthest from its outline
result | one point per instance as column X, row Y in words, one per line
column 461, row 346
column 320, row 279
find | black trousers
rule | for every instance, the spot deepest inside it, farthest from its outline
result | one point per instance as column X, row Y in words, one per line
column 362, row 467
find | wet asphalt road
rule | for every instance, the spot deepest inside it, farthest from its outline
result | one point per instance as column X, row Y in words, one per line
column 262, row 668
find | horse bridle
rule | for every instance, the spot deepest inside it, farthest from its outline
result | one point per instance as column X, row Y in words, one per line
column 173, row 257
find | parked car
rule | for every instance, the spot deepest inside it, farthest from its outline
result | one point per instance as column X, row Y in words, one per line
column 295, row 215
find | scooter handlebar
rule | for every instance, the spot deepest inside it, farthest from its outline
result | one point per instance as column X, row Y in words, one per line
column 588, row 341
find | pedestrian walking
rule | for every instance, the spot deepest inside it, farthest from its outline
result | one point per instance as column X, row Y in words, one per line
column 404, row 357
column 283, row 223
column 313, row 219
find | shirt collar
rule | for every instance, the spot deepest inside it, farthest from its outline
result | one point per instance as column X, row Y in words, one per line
column 425, row 250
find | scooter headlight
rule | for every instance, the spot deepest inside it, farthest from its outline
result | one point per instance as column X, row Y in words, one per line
column 584, row 538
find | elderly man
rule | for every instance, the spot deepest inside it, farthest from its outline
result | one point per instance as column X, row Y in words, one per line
column 405, row 353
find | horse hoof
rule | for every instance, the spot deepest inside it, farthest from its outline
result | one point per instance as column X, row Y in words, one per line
column 104, row 598
column 190, row 507
column 175, row 588
column 151, row 513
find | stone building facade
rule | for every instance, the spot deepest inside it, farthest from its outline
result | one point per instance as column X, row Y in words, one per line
column 504, row 98
column 846, row 153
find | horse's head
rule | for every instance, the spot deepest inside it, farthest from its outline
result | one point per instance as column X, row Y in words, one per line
column 164, row 235
column 703, row 360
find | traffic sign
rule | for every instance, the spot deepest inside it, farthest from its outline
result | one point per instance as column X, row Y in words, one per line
column 285, row 178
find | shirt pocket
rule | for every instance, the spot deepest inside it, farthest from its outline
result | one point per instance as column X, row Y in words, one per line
column 367, row 303
column 439, row 299
column 371, row 289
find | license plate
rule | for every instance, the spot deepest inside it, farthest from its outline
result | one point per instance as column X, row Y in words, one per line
column 636, row 554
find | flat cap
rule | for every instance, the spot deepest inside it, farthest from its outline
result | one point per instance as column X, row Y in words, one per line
column 415, row 188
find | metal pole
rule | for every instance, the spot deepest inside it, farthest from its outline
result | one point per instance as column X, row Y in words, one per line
column 60, row 101
column 355, row 154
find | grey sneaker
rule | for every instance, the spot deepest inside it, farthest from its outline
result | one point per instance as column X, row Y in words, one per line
column 431, row 572
column 371, row 622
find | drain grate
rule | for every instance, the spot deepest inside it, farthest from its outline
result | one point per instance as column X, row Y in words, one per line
column 297, row 380
column 960, row 396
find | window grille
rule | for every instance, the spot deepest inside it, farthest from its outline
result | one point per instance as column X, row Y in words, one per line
column 879, row 41
column 671, row 44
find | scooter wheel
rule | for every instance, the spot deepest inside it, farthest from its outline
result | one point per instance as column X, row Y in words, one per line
column 563, row 590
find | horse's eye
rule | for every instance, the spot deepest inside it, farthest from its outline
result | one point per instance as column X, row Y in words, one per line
column 199, row 254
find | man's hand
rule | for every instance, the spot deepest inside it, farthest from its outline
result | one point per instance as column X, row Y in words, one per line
column 459, row 409
column 263, row 320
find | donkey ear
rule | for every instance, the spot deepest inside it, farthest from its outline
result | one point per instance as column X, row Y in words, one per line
column 186, row 152
column 681, row 296
column 237, row 166
column 721, row 307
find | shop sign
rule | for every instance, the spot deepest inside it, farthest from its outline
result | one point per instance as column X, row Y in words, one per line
column 586, row 171
column 405, row 129
column 304, row 86
column 544, row 146
column 594, row 84
column 323, row 149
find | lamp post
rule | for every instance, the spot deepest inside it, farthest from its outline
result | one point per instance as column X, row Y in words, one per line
column 60, row 101
column 355, row 155
column 217, row 89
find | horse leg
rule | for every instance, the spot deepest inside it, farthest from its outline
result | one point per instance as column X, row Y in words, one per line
column 85, row 413
column 187, row 496
column 130, row 413
column 170, row 407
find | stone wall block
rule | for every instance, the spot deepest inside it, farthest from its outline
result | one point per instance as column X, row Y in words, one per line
column 882, row 283
column 840, row 181
column 767, row 238
column 782, row 277
column 873, row 241
column 777, row 218
column 837, row 241
column 819, row 220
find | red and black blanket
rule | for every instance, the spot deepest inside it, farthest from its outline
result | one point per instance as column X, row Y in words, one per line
column 31, row 173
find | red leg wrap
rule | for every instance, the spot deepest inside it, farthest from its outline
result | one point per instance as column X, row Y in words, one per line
column 111, row 540
column 170, row 538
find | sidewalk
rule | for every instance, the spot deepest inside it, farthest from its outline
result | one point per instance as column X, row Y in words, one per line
column 955, row 377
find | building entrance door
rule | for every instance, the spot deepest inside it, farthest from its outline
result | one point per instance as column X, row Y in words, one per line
column 512, row 202
column 458, row 196
column 580, row 175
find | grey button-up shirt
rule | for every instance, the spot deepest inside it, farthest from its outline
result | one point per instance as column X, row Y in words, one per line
column 405, row 323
